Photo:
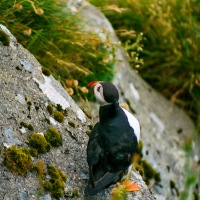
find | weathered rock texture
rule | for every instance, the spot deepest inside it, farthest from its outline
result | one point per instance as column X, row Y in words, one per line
column 164, row 126
column 25, row 93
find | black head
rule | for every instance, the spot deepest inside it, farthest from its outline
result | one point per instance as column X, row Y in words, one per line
column 105, row 92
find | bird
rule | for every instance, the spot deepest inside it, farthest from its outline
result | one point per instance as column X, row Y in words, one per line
column 112, row 142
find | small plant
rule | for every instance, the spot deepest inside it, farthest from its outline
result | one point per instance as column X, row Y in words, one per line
column 33, row 152
column 50, row 108
column 57, row 182
column 39, row 142
column 58, row 116
column 30, row 127
column 53, row 137
column 18, row 160
column 73, row 124
column 4, row 38
column 25, row 125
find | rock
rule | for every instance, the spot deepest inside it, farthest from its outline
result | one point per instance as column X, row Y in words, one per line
column 164, row 126
column 25, row 94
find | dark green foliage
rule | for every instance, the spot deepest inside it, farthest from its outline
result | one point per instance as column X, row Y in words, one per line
column 30, row 127
column 58, row 116
column 46, row 71
column 53, row 137
column 24, row 124
column 4, row 38
column 149, row 172
column 73, row 124
column 39, row 142
column 18, row 160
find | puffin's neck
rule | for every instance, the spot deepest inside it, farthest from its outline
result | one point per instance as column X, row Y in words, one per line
column 108, row 111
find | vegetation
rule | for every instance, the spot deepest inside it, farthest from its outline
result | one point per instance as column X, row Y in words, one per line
column 53, row 137
column 4, row 38
column 54, row 35
column 57, row 182
column 18, row 160
column 50, row 108
column 58, row 116
column 168, row 47
column 38, row 142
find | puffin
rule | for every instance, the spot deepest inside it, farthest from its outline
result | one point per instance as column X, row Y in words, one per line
column 112, row 142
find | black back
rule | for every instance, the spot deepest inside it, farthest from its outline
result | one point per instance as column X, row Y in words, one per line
column 111, row 146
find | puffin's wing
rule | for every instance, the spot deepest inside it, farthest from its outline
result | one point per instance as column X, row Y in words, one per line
column 93, row 152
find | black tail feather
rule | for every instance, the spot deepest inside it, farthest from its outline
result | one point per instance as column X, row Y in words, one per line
column 101, row 184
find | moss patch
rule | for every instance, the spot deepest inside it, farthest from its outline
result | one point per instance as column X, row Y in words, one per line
column 58, row 116
column 56, row 184
column 4, row 38
column 25, row 125
column 143, row 167
column 50, row 109
column 39, row 142
column 18, row 160
column 53, row 137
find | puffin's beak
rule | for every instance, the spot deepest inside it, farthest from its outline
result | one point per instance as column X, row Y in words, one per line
column 92, row 84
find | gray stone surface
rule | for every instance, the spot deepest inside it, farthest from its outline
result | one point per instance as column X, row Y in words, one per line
column 164, row 126
column 25, row 93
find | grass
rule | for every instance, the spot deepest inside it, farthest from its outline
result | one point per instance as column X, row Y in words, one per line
column 162, row 39
column 56, row 39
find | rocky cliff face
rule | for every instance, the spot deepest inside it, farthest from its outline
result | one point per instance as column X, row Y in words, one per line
column 24, row 109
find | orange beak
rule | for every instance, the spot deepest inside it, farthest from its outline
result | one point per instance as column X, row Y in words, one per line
column 92, row 84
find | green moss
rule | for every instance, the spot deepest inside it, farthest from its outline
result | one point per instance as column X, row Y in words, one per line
column 29, row 103
column 73, row 124
column 173, row 186
column 4, row 38
column 57, row 182
column 33, row 152
column 46, row 71
column 59, row 107
column 89, row 132
column 139, row 169
column 24, row 124
column 47, row 186
column 139, row 148
column 18, row 160
column 149, row 172
column 75, row 193
column 157, row 177
column 58, row 116
column 50, row 109
column 30, row 127
column 39, row 142
column 53, row 137
column 87, row 114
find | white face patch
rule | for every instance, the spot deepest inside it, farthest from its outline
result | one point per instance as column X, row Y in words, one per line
column 98, row 93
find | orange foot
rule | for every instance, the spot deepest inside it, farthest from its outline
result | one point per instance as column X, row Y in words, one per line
column 130, row 186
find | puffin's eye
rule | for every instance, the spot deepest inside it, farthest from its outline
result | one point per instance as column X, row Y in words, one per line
column 98, row 89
